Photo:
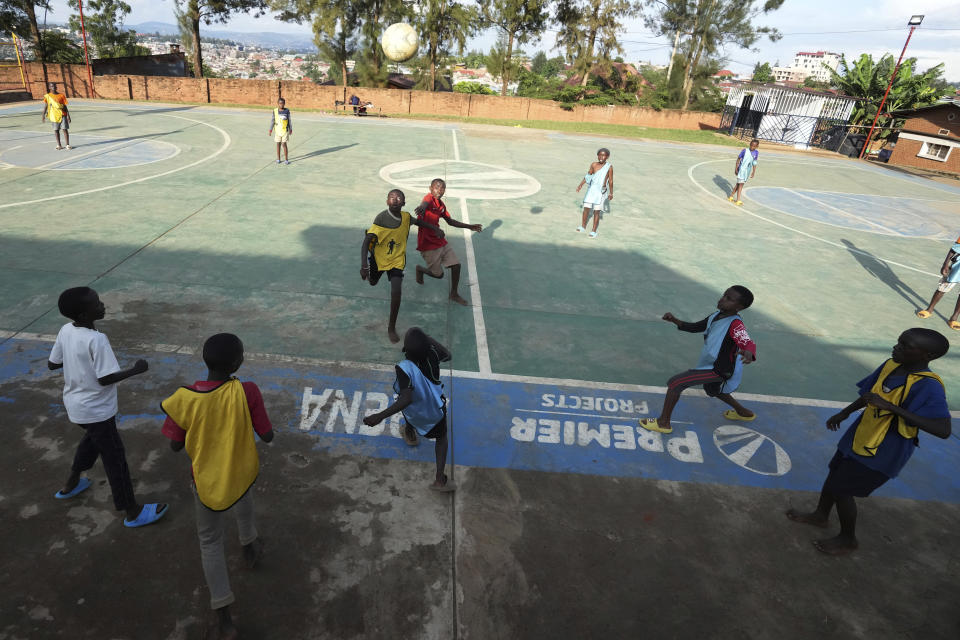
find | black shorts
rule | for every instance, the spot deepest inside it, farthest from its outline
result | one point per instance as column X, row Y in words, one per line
column 711, row 380
column 376, row 274
column 440, row 429
column 850, row 477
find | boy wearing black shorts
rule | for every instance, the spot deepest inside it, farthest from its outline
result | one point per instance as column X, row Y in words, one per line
column 899, row 399
column 420, row 398
column 384, row 250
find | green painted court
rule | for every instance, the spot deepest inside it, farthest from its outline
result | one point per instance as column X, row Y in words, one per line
column 184, row 222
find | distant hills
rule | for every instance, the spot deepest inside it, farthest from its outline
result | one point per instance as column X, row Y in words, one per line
column 266, row 39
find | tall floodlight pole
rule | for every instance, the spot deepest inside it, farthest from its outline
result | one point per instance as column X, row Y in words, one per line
column 914, row 22
column 86, row 54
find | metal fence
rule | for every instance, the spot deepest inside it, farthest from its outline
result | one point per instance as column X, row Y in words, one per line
column 786, row 128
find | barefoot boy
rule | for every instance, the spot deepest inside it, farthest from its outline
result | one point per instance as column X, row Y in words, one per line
column 384, row 250
column 55, row 108
column 420, row 398
column 432, row 244
column 745, row 169
column 215, row 420
column 599, row 181
column 726, row 348
column 949, row 276
column 899, row 399
column 283, row 125
column 90, row 376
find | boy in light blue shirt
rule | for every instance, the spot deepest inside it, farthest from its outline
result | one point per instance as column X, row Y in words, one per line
column 745, row 169
column 420, row 398
column 949, row 276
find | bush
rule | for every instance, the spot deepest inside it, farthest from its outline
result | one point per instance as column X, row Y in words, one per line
column 473, row 87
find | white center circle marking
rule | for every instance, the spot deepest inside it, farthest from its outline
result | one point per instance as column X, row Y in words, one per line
column 745, row 448
column 473, row 180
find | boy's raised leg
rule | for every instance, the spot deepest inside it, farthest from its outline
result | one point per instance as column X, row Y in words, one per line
column 423, row 271
column 454, row 283
column 395, row 296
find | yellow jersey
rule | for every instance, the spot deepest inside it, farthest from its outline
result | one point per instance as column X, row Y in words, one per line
column 390, row 251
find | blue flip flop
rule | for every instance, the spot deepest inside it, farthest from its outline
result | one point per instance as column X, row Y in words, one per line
column 82, row 486
column 148, row 515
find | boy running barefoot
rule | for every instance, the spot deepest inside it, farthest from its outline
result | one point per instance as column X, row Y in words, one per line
column 384, row 251
column 599, row 181
column 432, row 244
column 420, row 398
column 726, row 348
column 55, row 108
column 283, row 125
column 745, row 169
column 90, row 377
column 949, row 277
column 899, row 399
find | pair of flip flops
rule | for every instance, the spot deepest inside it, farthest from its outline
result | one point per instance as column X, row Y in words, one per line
column 651, row 424
column 82, row 485
column 923, row 314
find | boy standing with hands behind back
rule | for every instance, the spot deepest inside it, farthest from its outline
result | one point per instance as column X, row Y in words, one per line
column 283, row 126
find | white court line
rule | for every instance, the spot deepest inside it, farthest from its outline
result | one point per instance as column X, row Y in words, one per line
column 226, row 143
column 591, row 415
column 479, row 326
column 71, row 157
column 846, row 213
column 798, row 231
column 872, row 195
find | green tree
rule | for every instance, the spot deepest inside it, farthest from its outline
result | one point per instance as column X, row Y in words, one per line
column 474, row 59
column 190, row 13
column 518, row 21
column 762, row 72
column 590, row 32
column 810, row 83
column 60, row 49
column 312, row 72
column 335, row 25
column 473, row 87
column 20, row 17
column 868, row 80
column 444, row 25
column 375, row 16
column 103, row 20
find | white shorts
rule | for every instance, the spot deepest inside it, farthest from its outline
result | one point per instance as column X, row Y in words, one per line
column 281, row 137
column 943, row 286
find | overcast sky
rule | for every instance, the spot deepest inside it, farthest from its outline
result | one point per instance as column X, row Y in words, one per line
column 850, row 27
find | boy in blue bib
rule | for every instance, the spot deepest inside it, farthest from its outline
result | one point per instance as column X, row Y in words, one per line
column 420, row 398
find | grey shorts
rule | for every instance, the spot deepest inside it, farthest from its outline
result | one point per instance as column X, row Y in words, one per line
column 63, row 124
column 943, row 286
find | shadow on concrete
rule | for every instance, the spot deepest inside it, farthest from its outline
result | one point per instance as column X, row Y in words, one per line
column 320, row 152
column 723, row 184
column 490, row 228
column 882, row 271
column 536, row 210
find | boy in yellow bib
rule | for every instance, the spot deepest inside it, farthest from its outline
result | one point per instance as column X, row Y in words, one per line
column 55, row 108
column 384, row 250
column 281, row 128
column 900, row 399
column 215, row 419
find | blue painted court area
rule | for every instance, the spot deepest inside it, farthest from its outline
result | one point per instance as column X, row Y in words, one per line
column 535, row 425
column 37, row 150
column 886, row 215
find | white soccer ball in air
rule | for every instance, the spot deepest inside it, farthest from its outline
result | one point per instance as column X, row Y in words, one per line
column 399, row 42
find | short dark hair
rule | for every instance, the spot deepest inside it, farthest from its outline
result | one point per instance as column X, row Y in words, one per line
column 71, row 301
column 757, row 140
column 934, row 342
column 281, row 100
column 222, row 350
column 392, row 191
column 415, row 343
column 604, row 150
column 746, row 296
column 438, row 181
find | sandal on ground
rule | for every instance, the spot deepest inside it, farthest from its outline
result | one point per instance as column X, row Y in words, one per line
column 593, row 234
column 954, row 325
column 651, row 424
column 739, row 203
column 82, row 486
column 730, row 414
column 923, row 313
column 580, row 229
column 148, row 515
column 446, row 487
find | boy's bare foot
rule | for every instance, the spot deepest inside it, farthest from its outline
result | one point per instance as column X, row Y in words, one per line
column 837, row 546
column 812, row 518
column 455, row 297
column 442, row 485
column 419, row 276
column 253, row 552
column 392, row 334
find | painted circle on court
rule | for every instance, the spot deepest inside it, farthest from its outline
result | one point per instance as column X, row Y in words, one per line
column 88, row 152
column 751, row 450
column 473, row 180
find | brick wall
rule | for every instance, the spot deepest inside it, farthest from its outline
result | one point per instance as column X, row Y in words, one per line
column 905, row 153
column 300, row 94
column 932, row 120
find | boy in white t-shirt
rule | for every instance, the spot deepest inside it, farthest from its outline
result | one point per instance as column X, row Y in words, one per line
column 90, row 373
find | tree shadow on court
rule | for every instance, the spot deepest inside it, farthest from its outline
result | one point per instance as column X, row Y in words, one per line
column 723, row 183
column 320, row 152
column 143, row 112
column 882, row 271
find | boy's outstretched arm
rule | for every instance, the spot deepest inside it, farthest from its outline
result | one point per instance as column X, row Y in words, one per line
column 443, row 353
column 138, row 367
column 833, row 422
column 367, row 245
column 402, row 402
column 690, row 327
column 426, row 225
column 53, row 366
column 464, row 225
column 939, row 427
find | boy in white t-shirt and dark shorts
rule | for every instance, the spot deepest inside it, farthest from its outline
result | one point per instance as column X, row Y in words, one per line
column 90, row 374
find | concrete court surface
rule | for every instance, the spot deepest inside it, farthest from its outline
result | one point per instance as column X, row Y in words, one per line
column 568, row 522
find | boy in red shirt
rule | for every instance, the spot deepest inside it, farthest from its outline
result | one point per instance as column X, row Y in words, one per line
column 432, row 245
column 215, row 420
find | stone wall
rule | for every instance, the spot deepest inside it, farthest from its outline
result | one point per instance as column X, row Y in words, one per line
column 306, row 95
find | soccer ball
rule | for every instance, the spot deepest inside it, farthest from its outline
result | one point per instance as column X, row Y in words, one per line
column 399, row 42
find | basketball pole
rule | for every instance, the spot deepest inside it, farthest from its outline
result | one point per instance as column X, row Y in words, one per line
column 86, row 53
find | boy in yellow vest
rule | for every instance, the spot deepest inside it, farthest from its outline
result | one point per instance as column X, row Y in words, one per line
column 384, row 250
column 899, row 399
column 281, row 123
column 215, row 419
column 55, row 108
